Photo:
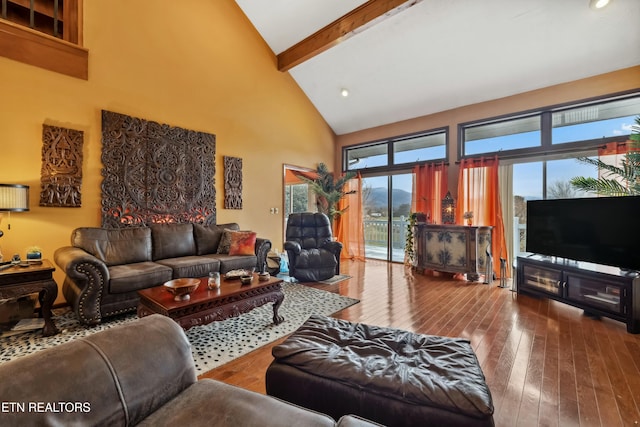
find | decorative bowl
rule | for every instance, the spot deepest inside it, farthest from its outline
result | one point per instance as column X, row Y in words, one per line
column 236, row 274
column 245, row 280
column 264, row 276
column 182, row 288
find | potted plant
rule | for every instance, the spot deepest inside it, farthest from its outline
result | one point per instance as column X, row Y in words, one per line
column 616, row 181
column 34, row 254
column 409, row 245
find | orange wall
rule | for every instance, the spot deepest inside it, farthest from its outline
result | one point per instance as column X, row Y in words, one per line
column 618, row 81
column 197, row 64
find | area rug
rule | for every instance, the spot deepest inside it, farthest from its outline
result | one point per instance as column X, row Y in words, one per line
column 212, row 345
column 335, row 279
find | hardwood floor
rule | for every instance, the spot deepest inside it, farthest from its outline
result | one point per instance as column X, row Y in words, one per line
column 545, row 362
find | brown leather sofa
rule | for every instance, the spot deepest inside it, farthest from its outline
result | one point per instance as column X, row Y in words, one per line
column 106, row 267
column 141, row 373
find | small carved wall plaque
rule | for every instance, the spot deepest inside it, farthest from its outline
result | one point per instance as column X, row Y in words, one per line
column 155, row 173
column 61, row 174
column 232, row 182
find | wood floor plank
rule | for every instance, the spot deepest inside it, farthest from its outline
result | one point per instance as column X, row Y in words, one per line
column 549, row 392
column 587, row 403
column 568, row 392
column 545, row 362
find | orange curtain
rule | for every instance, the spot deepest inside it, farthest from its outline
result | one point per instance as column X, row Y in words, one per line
column 613, row 153
column 349, row 225
column 292, row 176
column 478, row 192
column 429, row 188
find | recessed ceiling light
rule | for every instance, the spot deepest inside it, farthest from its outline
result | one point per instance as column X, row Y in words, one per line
column 598, row 4
column 344, row 92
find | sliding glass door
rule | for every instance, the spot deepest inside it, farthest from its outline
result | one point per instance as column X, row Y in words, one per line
column 386, row 202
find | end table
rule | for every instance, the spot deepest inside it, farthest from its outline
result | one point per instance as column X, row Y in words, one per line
column 18, row 281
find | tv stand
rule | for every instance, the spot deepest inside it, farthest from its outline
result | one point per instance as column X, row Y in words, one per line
column 597, row 289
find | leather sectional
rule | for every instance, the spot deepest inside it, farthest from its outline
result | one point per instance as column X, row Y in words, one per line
column 106, row 267
column 141, row 373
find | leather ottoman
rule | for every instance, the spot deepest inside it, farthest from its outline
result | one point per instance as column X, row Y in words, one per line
column 390, row 376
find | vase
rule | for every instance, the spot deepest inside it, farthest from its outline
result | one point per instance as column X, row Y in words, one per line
column 469, row 222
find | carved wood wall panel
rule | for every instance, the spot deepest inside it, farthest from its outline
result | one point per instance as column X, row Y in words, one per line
column 232, row 182
column 61, row 173
column 155, row 173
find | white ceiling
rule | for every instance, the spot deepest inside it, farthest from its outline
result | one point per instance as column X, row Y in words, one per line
column 442, row 54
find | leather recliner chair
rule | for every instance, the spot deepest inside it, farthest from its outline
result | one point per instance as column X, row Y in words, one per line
column 313, row 255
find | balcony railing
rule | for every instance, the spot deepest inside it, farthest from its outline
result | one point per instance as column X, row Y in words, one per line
column 376, row 234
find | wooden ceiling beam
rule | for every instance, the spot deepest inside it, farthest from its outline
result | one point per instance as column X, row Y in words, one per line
column 356, row 21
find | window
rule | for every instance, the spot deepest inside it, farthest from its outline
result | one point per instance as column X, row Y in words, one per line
column 420, row 148
column 296, row 198
column 504, row 135
column 44, row 33
column 387, row 186
column 594, row 121
column 368, row 156
column 586, row 125
column 404, row 151
column 544, row 179
column 386, row 205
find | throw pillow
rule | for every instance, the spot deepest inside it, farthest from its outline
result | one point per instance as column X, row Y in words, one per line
column 225, row 241
column 207, row 238
column 243, row 243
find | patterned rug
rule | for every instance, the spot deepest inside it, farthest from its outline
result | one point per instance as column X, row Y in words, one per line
column 212, row 345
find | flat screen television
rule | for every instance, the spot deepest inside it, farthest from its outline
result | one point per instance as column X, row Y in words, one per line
column 601, row 230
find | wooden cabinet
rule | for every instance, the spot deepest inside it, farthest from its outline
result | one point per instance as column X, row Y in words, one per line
column 599, row 290
column 452, row 248
column 17, row 281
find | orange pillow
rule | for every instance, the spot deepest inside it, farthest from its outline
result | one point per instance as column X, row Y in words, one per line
column 243, row 243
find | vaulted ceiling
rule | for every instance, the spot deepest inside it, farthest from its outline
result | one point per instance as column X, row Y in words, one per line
column 426, row 56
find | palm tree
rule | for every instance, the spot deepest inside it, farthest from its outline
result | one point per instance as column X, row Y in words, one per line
column 329, row 190
column 621, row 180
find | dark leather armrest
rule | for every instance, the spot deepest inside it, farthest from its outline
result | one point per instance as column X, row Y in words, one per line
column 293, row 247
column 334, row 247
column 88, row 276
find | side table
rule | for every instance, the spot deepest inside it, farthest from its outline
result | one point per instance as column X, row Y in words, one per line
column 20, row 281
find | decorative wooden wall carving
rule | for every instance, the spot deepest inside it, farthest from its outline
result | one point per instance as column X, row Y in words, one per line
column 232, row 182
column 155, row 173
column 61, row 174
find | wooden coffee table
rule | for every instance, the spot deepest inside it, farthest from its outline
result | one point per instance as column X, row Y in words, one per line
column 205, row 306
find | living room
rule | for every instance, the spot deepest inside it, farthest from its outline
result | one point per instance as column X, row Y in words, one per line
column 209, row 71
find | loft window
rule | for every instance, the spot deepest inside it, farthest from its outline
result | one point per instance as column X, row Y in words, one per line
column 367, row 156
column 595, row 121
column 562, row 129
column 44, row 33
column 403, row 151
column 504, row 135
column 420, row 148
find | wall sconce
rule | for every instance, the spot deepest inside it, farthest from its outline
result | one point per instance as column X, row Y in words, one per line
column 448, row 209
column 13, row 198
